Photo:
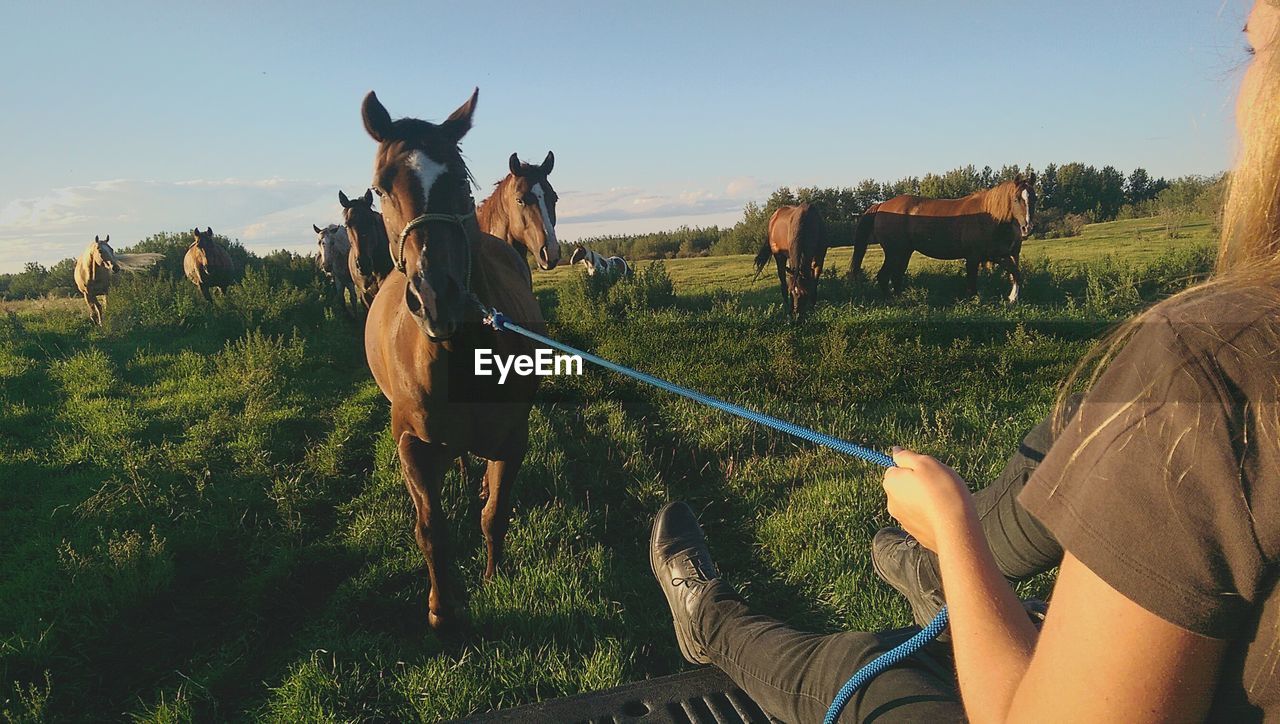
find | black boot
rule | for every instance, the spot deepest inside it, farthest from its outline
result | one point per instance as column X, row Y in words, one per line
column 682, row 564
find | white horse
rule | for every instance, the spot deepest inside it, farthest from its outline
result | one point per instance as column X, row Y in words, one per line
column 335, row 247
column 614, row 266
column 95, row 267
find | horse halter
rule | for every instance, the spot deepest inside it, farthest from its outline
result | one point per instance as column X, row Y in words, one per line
column 421, row 220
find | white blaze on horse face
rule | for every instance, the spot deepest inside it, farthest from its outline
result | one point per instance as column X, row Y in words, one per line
column 428, row 171
column 541, row 195
column 1026, row 204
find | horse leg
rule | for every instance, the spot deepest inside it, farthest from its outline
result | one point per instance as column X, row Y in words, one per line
column 886, row 272
column 1010, row 265
column 855, row 265
column 424, row 465
column 900, row 272
column 971, row 275
column 500, row 477
column 781, row 261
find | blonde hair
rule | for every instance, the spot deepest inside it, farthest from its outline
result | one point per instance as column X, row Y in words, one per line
column 1249, row 245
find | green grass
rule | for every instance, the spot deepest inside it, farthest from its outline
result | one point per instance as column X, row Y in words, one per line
column 202, row 515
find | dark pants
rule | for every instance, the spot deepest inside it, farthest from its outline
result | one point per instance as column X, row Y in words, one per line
column 794, row 675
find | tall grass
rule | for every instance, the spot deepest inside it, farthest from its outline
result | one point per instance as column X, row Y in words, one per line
column 202, row 515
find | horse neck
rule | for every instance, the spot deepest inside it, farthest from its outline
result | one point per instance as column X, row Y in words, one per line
column 492, row 215
column 998, row 201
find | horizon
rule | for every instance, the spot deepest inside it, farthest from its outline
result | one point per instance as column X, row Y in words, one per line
column 247, row 119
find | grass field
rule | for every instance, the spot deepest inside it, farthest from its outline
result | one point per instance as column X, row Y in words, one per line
column 202, row 516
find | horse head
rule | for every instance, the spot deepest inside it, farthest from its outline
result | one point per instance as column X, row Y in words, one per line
column 1024, row 204
column 103, row 254
column 364, row 229
column 530, row 205
column 427, row 209
column 802, row 285
column 329, row 251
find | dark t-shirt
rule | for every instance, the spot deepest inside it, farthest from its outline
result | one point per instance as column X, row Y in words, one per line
column 1166, row 483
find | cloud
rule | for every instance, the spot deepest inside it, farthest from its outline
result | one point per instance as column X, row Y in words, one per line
column 629, row 203
column 264, row 214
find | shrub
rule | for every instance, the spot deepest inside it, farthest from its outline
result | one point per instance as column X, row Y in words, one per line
column 586, row 300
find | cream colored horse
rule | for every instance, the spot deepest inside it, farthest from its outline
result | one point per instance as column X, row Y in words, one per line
column 96, row 266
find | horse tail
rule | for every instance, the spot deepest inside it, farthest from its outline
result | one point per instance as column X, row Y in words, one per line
column 862, row 238
column 762, row 257
column 137, row 262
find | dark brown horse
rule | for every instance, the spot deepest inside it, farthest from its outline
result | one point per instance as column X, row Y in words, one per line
column 207, row 264
column 798, row 246
column 522, row 211
column 985, row 226
column 369, row 260
column 425, row 326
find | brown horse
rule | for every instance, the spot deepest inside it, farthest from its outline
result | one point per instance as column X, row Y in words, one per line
column 798, row 246
column 522, row 210
column 96, row 266
column 207, row 264
column 985, row 226
column 369, row 260
column 426, row 325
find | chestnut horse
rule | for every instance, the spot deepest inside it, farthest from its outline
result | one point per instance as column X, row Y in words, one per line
column 425, row 326
column 798, row 246
column 369, row 260
column 95, row 267
column 522, row 210
column 985, row 226
column 207, row 264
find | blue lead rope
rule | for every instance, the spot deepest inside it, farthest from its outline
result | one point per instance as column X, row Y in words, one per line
column 886, row 660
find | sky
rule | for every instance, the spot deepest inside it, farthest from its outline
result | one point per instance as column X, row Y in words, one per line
column 245, row 116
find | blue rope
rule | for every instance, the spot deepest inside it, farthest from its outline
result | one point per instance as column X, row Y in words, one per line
column 886, row 660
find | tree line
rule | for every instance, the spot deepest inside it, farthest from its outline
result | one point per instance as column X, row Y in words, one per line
column 1069, row 196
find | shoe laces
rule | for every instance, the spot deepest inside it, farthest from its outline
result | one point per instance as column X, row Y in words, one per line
column 700, row 572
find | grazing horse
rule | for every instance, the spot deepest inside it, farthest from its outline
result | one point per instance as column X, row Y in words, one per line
column 426, row 325
column 614, row 266
column 96, row 266
column 797, row 243
column 522, row 210
column 369, row 261
column 332, row 258
column 985, row 226
column 207, row 264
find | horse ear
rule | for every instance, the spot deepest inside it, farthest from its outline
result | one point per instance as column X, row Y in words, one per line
column 368, row 196
column 342, row 199
column 208, row 230
column 459, row 121
column 513, row 163
column 317, row 228
column 377, row 122
column 107, row 240
column 548, row 163
column 96, row 240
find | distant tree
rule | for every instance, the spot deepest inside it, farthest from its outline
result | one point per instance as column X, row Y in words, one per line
column 1048, row 182
column 1137, row 188
column 1110, row 193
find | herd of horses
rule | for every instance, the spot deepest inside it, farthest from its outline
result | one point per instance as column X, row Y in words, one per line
column 431, row 267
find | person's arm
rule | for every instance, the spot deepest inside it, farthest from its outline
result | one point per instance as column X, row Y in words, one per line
column 1101, row 657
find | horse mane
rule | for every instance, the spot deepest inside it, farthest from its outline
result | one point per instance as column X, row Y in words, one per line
column 484, row 208
column 999, row 200
column 138, row 262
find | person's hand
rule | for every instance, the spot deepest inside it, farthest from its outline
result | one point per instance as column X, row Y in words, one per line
column 928, row 499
